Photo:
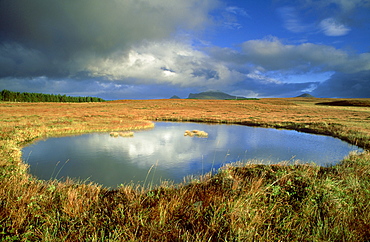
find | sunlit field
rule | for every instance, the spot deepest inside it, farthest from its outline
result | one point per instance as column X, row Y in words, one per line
column 242, row 202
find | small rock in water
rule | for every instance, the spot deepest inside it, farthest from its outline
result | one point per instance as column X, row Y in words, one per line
column 197, row 133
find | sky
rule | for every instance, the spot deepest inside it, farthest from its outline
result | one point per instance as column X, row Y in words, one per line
column 150, row 49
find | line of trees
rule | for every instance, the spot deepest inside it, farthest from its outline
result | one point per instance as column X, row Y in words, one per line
column 6, row 95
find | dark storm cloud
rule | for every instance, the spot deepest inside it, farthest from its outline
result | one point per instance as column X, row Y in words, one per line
column 62, row 36
column 18, row 61
column 67, row 27
column 354, row 85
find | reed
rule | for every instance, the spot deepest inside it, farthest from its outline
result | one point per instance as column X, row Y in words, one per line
column 241, row 202
column 126, row 134
column 122, row 134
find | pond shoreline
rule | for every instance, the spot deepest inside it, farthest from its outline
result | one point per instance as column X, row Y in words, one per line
column 199, row 153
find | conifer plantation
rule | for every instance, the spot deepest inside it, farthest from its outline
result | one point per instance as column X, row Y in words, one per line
column 6, row 95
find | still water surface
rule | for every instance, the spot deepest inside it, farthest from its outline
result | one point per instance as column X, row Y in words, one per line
column 164, row 153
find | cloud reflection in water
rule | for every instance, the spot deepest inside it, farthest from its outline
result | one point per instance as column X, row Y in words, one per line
column 169, row 155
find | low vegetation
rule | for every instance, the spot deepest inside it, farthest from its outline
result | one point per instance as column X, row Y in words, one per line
column 356, row 103
column 242, row 202
column 122, row 134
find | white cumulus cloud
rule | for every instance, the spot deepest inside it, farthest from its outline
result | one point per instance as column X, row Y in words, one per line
column 169, row 62
column 272, row 54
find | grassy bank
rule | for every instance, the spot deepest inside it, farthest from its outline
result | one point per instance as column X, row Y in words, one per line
column 248, row 202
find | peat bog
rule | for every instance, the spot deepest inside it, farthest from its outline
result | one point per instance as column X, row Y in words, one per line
column 242, row 202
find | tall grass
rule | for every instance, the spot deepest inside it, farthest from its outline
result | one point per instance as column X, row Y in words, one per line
column 242, row 202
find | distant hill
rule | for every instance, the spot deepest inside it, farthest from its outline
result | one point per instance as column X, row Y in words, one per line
column 305, row 95
column 213, row 95
column 175, row 97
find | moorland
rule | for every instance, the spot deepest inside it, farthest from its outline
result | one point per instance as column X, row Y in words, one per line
column 242, row 202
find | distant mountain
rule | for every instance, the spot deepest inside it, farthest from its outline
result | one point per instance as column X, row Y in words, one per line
column 213, row 95
column 305, row 95
column 175, row 97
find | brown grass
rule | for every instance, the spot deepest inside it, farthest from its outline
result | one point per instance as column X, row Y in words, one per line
column 246, row 202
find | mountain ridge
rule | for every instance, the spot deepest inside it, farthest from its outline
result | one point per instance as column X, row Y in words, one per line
column 305, row 95
column 218, row 95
